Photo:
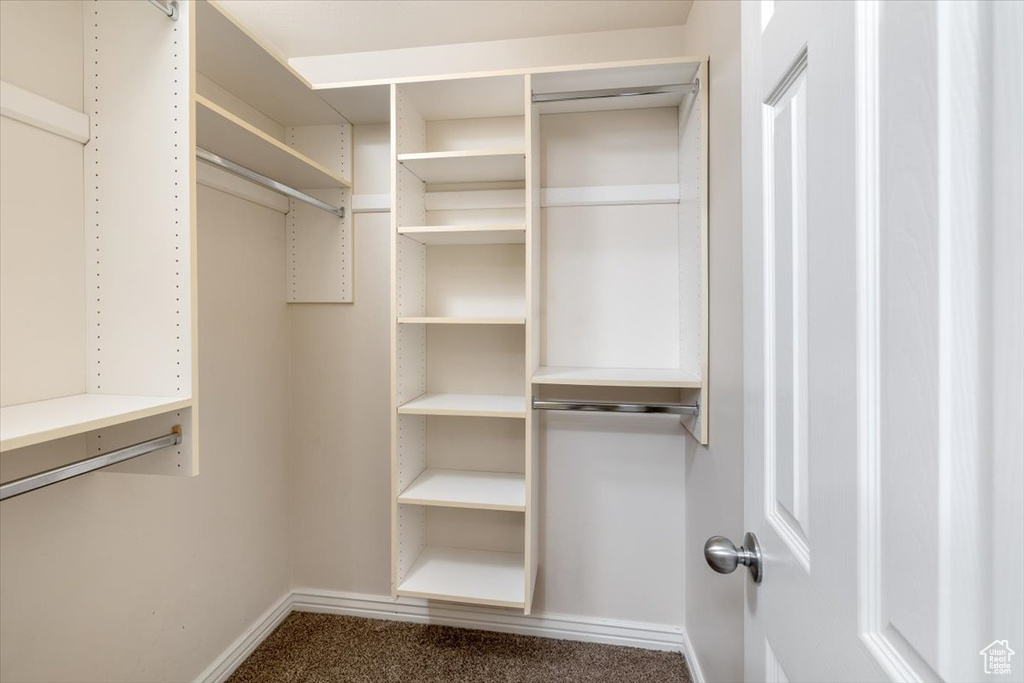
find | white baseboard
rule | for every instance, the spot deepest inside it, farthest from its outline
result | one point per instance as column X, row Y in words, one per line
column 564, row 627
column 235, row 654
column 696, row 674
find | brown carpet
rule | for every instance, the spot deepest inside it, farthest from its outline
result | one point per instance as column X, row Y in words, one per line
column 324, row 648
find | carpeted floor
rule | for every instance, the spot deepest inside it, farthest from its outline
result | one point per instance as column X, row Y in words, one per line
column 324, row 648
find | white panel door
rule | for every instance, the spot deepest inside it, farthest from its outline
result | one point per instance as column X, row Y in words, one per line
column 883, row 339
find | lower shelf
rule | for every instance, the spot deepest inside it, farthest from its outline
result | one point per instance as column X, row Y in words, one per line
column 480, row 577
column 616, row 377
column 32, row 423
column 467, row 405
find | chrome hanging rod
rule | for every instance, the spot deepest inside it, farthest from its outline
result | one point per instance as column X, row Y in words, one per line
column 680, row 88
column 609, row 407
column 32, row 482
column 168, row 7
column 242, row 171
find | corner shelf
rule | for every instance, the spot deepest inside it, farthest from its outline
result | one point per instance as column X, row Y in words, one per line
column 28, row 424
column 616, row 377
column 466, row 405
column 437, row 320
column 223, row 133
column 468, row 166
column 465, row 234
column 236, row 60
column 467, row 489
column 480, row 577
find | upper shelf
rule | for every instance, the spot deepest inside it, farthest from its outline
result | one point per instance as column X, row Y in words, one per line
column 224, row 134
column 470, row 166
column 616, row 377
column 237, row 61
column 32, row 423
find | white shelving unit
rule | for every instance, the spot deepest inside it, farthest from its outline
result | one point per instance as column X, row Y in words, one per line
column 257, row 112
column 617, row 377
column 98, row 318
column 460, row 344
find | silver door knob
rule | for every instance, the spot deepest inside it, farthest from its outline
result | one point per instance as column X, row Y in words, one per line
column 723, row 556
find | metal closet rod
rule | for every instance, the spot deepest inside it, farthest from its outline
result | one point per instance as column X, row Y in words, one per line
column 610, row 407
column 168, row 7
column 228, row 165
column 32, row 482
column 636, row 91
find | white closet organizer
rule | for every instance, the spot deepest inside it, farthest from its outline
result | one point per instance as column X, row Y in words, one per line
column 121, row 369
column 549, row 229
column 256, row 117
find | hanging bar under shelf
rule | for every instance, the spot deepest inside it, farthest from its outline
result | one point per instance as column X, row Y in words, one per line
column 77, row 469
column 168, row 7
column 635, row 91
column 228, row 165
column 610, row 407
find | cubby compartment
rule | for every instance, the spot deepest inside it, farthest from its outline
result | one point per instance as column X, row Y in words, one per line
column 468, row 556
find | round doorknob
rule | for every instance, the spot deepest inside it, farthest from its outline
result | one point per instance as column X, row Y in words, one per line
column 723, row 556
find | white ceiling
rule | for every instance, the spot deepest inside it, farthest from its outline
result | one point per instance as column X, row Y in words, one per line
column 303, row 28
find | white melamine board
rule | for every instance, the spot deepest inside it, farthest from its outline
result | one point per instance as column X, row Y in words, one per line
column 412, row 451
column 32, row 423
column 328, row 145
column 35, row 110
column 502, row 132
column 496, row 530
column 475, row 199
column 411, row 362
column 466, row 166
column 532, row 252
column 139, row 227
column 237, row 61
column 465, row 234
column 371, row 203
column 476, row 281
column 42, row 265
column 409, row 127
column 475, row 202
column 610, row 195
column 410, row 198
column 409, row 538
column 466, row 405
column 612, row 287
column 475, row 359
column 410, row 278
column 610, row 148
column 616, row 377
column 468, row 98
column 319, row 251
column 474, row 576
column 227, row 135
column 461, row 321
column 611, row 104
column 618, row 77
column 467, row 489
column 360, row 105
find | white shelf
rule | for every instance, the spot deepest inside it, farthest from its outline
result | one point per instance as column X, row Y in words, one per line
column 471, row 166
column 466, row 234
column 616, row 377
column 224, row 134
column 236, row 60
column 434, row 320
column 481, row 577
column 32, row 423
column 467, row 489
column 466, row 405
